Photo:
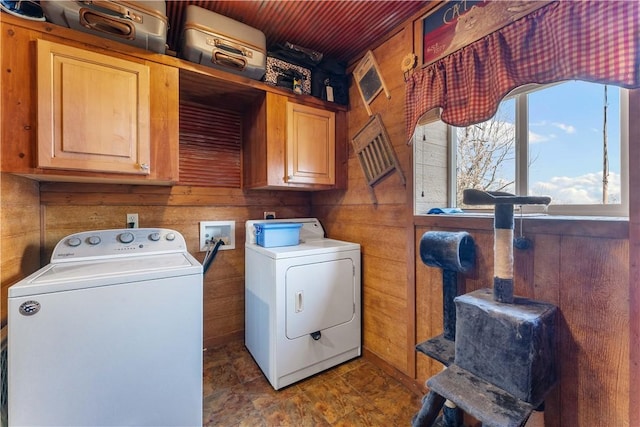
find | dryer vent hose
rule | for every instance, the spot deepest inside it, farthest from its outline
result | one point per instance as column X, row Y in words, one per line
column 209, row 256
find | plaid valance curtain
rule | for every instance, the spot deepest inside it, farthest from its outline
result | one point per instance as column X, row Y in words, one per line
column 596, row 41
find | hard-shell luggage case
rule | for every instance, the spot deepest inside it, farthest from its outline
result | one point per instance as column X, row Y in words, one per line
column 138, row 23
column 220, row 42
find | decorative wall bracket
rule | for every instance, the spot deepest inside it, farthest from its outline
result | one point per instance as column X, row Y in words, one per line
column 375, row 153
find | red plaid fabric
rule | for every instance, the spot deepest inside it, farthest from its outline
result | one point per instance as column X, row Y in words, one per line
column 596, row 41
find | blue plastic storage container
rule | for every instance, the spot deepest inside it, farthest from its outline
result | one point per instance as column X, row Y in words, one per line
column 275, row 234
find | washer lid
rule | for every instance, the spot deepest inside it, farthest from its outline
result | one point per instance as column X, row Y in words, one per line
column 58, row 277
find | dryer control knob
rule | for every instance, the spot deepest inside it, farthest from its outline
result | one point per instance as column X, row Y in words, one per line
column 74, row 241
column 154, row 237
column 171, row 237
column 126, row 237
column 94, row 240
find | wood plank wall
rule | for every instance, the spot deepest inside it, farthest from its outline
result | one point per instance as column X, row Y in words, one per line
column 584, row 272
column 587, row 275
column 384, row 230
column 69, row 208
column 19, row 233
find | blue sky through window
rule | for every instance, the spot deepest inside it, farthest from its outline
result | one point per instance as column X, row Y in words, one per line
column 566, row 142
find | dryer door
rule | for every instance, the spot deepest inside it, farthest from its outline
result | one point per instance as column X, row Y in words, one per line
column 319, row 296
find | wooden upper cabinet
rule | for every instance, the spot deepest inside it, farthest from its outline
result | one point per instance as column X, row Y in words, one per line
column 289, row 145
column 93, row 111
column 311, row 145
column 80, row 108
column 73, row 113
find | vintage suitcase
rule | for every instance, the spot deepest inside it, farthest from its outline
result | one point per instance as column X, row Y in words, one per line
column 139, row 23
column 220, row 42
column 283, row 74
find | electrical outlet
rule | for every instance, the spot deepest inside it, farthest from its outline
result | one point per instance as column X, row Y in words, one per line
column 212, row 231
column 269, row 215
column 132, row 220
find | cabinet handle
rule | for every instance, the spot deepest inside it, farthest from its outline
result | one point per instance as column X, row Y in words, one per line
column 144, row 166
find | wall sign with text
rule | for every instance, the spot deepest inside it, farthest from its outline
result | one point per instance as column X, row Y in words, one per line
column 458, row 23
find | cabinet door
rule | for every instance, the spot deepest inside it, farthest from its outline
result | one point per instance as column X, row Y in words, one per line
column 93, row 111
column 311, row 145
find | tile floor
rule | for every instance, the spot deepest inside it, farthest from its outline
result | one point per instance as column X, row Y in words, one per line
column 356, row 393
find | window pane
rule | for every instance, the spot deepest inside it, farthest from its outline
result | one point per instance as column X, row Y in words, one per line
column 574, row 135
column 486, row 153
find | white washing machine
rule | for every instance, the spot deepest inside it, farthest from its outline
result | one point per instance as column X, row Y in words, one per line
column 302, row 303
column 108, row 334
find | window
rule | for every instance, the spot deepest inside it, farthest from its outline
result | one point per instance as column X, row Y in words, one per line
column 566, row 140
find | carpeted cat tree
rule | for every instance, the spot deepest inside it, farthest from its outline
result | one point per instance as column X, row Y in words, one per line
column 504, row 357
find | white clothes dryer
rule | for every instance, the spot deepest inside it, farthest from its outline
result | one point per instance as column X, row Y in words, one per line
column 302, row 303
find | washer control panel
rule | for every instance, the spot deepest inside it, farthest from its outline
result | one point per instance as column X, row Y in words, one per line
column 110, row 243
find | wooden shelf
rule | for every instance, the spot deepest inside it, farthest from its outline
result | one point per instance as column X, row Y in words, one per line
column 213, row 80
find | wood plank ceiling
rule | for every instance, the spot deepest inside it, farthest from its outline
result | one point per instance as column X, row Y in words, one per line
column 340, row 30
